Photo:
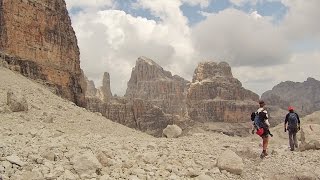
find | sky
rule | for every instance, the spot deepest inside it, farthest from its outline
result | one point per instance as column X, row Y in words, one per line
column 264, row 41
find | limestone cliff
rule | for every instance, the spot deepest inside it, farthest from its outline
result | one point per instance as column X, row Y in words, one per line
column 215, row 95
column 37, row 39
column 139, row 112
column 152, row 83
column 155, row 99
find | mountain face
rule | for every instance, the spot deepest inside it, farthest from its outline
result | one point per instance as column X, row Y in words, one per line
column 151, row 83
column 304, row 96
column 37, row 40
column 215, row 95
column 155, row 98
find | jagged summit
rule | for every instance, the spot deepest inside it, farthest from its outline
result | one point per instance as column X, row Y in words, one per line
column 151, row 82
column 211, row 70
column 143, row 59
column 148, row 70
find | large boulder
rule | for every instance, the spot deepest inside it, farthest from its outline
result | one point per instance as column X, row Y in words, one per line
column 310, row 137
column 230, row 162
column 172, row 131
column 86, row 164
column 16, row 101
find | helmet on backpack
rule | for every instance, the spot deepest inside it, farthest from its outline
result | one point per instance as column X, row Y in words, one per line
column 290, row 108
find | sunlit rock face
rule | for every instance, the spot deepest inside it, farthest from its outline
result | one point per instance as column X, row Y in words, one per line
column 37, row 39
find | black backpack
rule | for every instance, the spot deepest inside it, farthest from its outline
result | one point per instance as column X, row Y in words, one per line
column 292, row 120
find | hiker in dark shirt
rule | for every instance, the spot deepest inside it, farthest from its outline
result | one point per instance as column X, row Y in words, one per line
column 292, row 124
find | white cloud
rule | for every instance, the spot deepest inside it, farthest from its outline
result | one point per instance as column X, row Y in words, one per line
column 240, row 39
column 256, row 15
column 112, row 40
column 243, row 2
column 202, row 3
column 301, row 21
column 298, row 69
column 88, row 4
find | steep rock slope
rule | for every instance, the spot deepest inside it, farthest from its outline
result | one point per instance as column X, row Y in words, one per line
column 37, row 40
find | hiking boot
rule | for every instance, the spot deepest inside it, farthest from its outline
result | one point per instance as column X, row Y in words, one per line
column 291, row 149
column 263, row 154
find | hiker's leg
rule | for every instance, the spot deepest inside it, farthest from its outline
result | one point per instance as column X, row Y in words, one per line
column 295, row 139
column 265, row 142
column 291, row 141
column 264, row 147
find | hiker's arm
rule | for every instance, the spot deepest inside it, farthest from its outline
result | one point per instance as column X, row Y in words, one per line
column 285, row 123
column 267, row 122
column 298, row 119
column 267, row 119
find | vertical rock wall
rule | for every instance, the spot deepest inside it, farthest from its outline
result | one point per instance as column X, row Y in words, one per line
column 37, row 39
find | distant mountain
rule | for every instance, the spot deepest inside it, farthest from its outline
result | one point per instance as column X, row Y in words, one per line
column 303, row 96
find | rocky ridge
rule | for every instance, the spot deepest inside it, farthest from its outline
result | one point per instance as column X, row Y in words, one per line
column 53, row 138
column 304, row 96
column 155, row 99
column 37, row 40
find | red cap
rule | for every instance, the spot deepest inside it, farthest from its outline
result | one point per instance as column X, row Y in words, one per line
column 290, row 108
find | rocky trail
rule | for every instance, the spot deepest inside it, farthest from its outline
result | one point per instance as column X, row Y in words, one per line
column 51, row 138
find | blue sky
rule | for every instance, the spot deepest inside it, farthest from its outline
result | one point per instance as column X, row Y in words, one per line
column 260, row 39
column 192, row 12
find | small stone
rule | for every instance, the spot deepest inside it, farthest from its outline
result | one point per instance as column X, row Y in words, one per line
column 1, row 169
column 133, row 177
column 14, row 159
column 49, row 155
column 49, row 119
column 215, row 171
column 204, row 177
column 6, row 164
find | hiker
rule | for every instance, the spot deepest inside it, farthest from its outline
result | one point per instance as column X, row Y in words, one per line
column 292, row 124
column 255, row 118
column 262, row 124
